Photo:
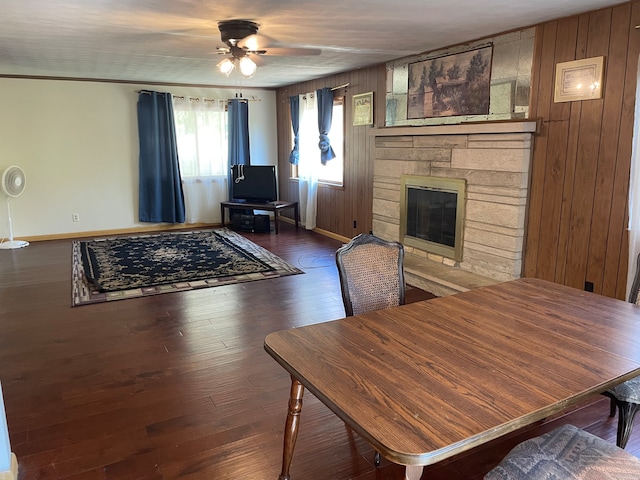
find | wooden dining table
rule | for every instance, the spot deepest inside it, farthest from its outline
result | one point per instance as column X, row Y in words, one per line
column 425, row 381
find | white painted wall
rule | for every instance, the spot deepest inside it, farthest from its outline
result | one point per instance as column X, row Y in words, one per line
column 78, row 145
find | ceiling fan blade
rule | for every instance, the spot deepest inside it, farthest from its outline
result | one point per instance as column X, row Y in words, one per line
column 291, row 52
column 255, row 42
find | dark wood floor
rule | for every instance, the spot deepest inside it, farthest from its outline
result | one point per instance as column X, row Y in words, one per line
column 179, row 385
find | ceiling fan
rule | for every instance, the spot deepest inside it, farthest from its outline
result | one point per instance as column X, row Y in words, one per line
column 243, row 42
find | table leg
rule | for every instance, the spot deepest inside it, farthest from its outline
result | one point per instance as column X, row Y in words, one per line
column 222, row 214
column 413, row 472
column 291, row 427
column 297, row 214
column 275, row 220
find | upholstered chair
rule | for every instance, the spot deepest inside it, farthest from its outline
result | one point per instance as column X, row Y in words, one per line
column 626, row 396
column 566, row 453
column 371, row 274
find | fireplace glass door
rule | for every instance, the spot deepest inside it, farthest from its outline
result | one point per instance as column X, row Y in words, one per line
column 432, row 214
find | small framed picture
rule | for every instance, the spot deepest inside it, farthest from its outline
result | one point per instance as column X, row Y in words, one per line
column 363, row 109
column 579, row 80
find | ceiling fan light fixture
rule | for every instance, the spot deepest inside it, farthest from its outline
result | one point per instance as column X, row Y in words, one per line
column 247, row 67
column 226, row 66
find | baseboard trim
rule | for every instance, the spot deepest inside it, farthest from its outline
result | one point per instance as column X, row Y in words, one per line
column 329, row 234
column 121, row 231
column 12, row 473
column 326, row 233
column 161, row 228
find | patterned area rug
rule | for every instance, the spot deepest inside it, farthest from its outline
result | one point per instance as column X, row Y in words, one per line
column 119, row 268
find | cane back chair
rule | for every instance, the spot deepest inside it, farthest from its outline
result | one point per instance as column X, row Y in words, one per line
column 371, row 274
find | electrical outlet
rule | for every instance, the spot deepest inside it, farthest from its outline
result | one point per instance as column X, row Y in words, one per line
column 75, row 217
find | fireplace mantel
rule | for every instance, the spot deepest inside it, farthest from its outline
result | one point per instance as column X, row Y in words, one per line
column 470, row 128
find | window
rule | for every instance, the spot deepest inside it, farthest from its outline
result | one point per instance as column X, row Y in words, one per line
column 201, row 135
column 333, row 172
column 202, row 139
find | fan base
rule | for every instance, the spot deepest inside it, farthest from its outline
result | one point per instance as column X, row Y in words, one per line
column 11, row 244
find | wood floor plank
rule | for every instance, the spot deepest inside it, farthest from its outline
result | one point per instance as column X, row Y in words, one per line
column 179, row 385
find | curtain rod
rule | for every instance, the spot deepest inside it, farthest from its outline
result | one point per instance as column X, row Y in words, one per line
column 250, row 99
column 344, row 85
column 182, row 97
column 242, row 100
column 197, row 99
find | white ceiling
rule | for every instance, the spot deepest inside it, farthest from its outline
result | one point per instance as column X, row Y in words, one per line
column 175, row 41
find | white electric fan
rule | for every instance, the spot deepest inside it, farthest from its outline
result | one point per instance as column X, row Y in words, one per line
column 13, row 183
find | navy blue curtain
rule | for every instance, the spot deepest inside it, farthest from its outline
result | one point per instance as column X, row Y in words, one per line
column 238, row 132
column 238, row 122
column 294, row 106
column 325, row 113
column 160, row 184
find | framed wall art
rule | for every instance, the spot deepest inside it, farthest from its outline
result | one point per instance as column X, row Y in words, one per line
column 579, row 80
column 363, row 109
column 450, row 85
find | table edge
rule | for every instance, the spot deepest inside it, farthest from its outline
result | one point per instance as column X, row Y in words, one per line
column 441, row 454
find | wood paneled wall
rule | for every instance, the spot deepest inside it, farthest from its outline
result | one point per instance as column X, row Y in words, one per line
column 576, row 229
column 338, row 207
column 576, row 226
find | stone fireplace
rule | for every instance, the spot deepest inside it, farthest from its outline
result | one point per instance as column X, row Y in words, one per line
column 492, row 160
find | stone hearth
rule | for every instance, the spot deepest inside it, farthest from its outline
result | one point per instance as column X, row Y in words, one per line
column 494, row 160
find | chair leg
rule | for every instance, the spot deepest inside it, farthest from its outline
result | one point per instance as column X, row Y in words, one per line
column 612, row 408
column 612, row 404
column 627, row 412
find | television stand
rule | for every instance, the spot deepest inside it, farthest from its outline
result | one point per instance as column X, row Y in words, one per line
column 274, row 207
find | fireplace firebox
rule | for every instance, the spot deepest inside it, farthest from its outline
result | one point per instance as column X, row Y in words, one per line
column 432, row 214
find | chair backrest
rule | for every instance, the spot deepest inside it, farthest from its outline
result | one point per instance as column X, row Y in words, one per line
column 371, row 274
column 634, row 294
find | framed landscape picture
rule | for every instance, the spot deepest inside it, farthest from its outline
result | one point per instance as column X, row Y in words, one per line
column 451, row 85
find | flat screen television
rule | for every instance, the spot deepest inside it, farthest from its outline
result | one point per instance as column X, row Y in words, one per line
column 254, row 183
